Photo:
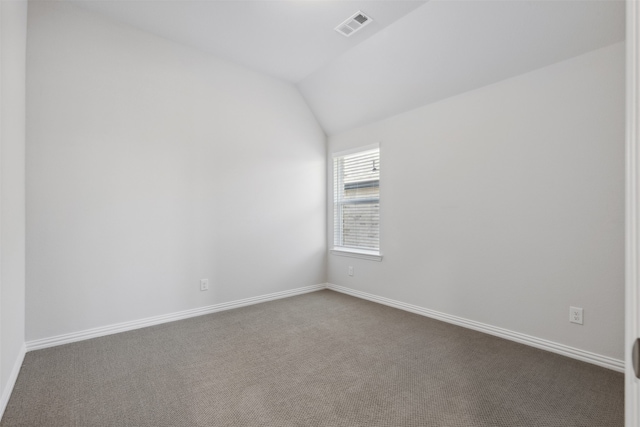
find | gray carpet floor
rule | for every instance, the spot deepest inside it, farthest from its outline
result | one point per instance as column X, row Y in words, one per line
column 320, row 359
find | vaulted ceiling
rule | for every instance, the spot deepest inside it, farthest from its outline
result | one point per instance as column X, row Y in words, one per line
column 413, row 53
column 286, row 39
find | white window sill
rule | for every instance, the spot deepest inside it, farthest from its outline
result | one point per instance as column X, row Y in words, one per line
column 357, row 253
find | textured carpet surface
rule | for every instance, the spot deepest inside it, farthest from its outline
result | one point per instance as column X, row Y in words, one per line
column 320, row 359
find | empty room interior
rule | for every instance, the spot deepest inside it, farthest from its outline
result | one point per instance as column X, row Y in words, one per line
column 312, row 213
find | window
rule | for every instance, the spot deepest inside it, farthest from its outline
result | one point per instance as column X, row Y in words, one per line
column 356, row 203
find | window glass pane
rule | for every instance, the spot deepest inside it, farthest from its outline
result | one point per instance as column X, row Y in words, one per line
column 357, row 200
column 361, row 225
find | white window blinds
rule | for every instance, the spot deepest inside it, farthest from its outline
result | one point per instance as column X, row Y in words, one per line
column 356, row 200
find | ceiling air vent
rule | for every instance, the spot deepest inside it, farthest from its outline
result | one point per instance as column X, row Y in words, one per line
column 353, row 24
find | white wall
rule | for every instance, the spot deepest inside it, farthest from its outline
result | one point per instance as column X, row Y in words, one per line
column 505, row 205
column 13, row 35
column 151, row 165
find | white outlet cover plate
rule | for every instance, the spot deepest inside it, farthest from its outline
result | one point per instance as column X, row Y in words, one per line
column 204, row 284
column 575, row 315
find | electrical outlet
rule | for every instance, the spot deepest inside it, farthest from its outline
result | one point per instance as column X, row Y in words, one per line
column 575, row 315
column 204, row 284
column 350, row 270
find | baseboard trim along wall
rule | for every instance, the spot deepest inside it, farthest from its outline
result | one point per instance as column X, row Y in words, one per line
column 11, row 382
column 565, row 350
column 575, row 353
column 157, row 320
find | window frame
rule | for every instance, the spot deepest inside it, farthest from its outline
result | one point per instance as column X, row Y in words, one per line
column 373, row 255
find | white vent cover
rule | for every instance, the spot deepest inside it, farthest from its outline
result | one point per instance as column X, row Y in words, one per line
column 353, row 24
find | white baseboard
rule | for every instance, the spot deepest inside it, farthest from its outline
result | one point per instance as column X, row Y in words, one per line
column 11, row 381
column 575, row 353
column 565, row 350
column 156, row 320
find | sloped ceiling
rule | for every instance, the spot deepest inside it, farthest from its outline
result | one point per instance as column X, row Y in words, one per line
column 449, row 47
column 414, row 53
column 288, row 39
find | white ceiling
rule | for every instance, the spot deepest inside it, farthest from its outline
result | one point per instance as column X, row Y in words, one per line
column 446, row 48
column 288, row 39
column 414, row 53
